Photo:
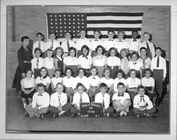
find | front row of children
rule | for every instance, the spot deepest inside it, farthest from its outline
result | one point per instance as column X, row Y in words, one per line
column 119, row 103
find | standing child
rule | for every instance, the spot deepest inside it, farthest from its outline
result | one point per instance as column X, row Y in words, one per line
column 49, row 63
column 37, row 62
column 113, row 61
column 40, row 103
column 158, row 66
column 103, row 98
column 120, row 79
column 99, row 61
column 58, row 102
column 121, row 100
column 69, row 83
column 58, row 59
column 94, row 82
column 43, row 78
column 27, row 88
column 56, row 79
column 52, row 43
column 80, row 96
column 142, row 104
column 71, row 61
column 132, row 83
column 110, row 41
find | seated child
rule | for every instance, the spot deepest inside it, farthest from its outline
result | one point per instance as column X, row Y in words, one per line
column 56, row 79
column 149, row 83
column 142, row 104
column 40, row 103
column 121, row 100
column 80, row 96
column 94, row 82
column 103, row 98
column 27, row 88
column 58, row 101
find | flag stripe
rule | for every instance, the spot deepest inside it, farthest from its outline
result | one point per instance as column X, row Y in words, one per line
column 113, row 29
column 115, row 21
column 106, row 25
column 103, row 17
column 115, row 14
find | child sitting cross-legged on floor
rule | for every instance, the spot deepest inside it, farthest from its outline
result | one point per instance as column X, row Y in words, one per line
column 40, row 103
column 121, row 100
column 142, row 104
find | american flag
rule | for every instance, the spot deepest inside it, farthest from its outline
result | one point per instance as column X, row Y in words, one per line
column 60, row 23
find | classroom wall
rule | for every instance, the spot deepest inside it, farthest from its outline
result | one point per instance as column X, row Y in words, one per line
column 31, row 19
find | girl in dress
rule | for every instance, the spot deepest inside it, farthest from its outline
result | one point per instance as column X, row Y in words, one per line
column 99, row 61
column 56, row 79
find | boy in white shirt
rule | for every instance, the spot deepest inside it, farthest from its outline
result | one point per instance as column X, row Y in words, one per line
column 40, row 103
column 103, row 98
column 52, row 43
column 37, row 62
column 56, row 79
column 134, row 43
column 158, row 66
column 58, row 102
column 120, row 79
column 142, row 104
column 110, row 41
column 121, row 100
column 80, row 96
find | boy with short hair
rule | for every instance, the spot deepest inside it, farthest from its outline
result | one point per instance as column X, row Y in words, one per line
column 121, row 100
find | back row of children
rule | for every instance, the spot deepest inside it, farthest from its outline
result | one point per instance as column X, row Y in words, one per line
column 106, row 62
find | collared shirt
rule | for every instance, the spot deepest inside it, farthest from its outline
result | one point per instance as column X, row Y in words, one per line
column 55, row 81
column 99, row 61
column 37, row 63
column 94, row 43
column 103, row 99
column 70, row 61
column 121, row 45
column 83, row 80
column 113, row 61
column 134, row 45
column 57, row 99
column 117, row 80
column 55, row 45
column 94, row 81
column 162, row 65
column 69, row 82
column 107, row 44
column 85, row 62
column 133, row 82
column 148, row 82
column 80, row 98
column 46, row 81
column 121, row 99
column 151, row 47
column 137, row 65
column 65, row 43
column 146, row 63
column 40, row 101
column 109, row 82
column 28, row 83
column 81, row 42
column 124, row 65
column 49, row 63
column 138, row 102
column 41, row 45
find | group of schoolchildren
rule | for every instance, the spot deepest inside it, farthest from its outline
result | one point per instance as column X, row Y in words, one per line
column 58, row 75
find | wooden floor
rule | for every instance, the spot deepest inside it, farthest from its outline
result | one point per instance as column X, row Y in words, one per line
column 17, row 122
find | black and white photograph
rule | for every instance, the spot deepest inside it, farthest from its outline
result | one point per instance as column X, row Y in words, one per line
column 88, row 69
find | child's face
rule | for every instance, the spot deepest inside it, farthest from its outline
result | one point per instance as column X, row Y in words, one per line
column 49, row 53
column 40, row 89
column 25, row 42
column 123, row 54
column 80, row 89
column 52, row 36
column 43, row 72
column 133, row 74
column 158, row 52
column 68, row 36
column 121, row 89
column 148, row 74
column 29, row 74
column 85, row 51
column 37, row 54
column 97, row 35
column 68, row 72
column 134, row 35
column 110, row 35
column 93, row 71
column 57, row 74
column 121, row 35
column 59, row 52
column 59, row 88
column 99, row 51
column 141, row 91
column 146, row 37
column 107, row 73
column 82, row 34
column 72, row 53
column 134, row 57
column 119, row 75
column 112, row 52
column 39, row 37
column 81, row 73
column 103, row 89
column 143, row 52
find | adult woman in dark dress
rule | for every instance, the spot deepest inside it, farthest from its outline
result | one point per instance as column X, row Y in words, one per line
column 24, row 55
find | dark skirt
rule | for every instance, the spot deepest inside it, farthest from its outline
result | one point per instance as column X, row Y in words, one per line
column 114, row 70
